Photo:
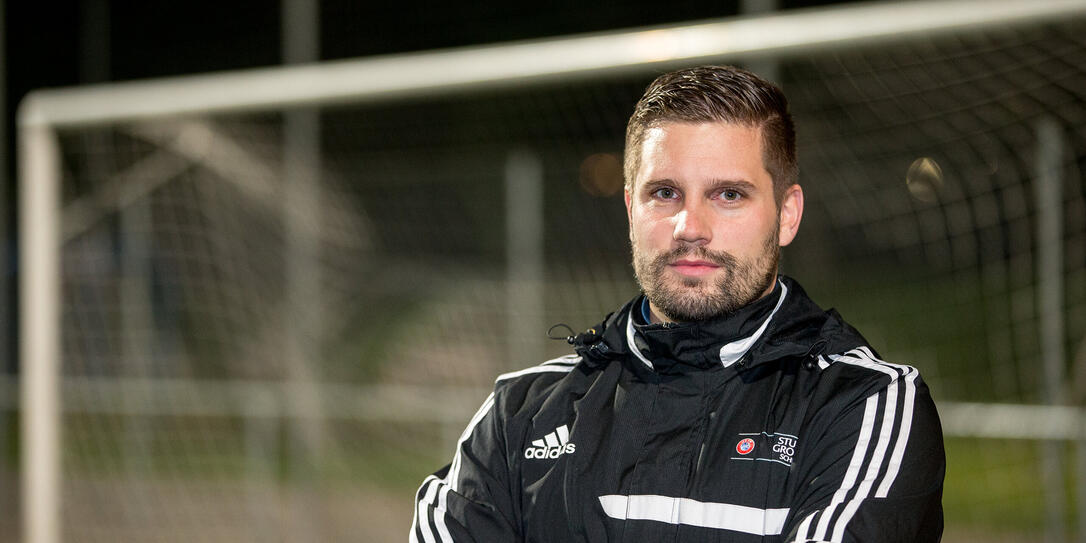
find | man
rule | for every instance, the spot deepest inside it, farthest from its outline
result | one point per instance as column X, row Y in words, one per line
column 720, row 405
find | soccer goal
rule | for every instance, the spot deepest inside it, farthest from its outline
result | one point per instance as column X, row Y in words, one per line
column 261, row 304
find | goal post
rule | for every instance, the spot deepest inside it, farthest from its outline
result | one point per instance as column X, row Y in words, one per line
column 173, row 115
column 39, row 300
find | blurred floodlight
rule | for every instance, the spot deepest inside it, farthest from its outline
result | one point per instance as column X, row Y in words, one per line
column 924, row 179
column 601, row 174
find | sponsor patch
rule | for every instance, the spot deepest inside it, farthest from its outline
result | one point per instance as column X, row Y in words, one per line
column 777, row 448
column 784, row 447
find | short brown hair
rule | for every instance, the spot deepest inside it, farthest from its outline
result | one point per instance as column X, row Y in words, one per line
column 718, row 94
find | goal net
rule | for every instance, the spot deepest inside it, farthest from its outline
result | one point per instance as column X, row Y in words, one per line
column 274, row 321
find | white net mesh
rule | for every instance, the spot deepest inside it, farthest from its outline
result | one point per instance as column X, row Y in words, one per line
column 923, row 160
column 238, row 367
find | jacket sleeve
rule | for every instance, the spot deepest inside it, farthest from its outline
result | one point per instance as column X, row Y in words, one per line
column 469, row 500
column 875, row 472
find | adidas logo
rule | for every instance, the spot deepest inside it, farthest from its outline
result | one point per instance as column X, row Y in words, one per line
column 552, row 445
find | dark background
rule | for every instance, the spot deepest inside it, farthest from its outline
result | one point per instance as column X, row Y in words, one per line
column 67, row 43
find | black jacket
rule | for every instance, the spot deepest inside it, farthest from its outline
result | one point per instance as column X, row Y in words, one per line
column 784, row 427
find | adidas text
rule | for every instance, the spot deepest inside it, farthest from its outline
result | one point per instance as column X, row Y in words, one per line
column 549, row 452
column 552, row 445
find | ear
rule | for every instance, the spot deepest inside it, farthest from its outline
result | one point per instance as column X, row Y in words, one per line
column 626, row 196
column 791, row 212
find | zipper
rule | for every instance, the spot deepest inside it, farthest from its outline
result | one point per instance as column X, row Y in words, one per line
column 701, row 450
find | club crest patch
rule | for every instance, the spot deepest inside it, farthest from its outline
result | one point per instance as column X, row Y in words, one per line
column 744, row 446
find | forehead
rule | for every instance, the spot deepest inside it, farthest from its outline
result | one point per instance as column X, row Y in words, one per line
column 681, row 150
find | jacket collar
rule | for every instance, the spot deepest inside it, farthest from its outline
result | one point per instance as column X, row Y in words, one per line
column 793, row 326
column 723, row 340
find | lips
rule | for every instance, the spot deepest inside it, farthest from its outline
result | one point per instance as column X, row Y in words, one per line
column 693, row 267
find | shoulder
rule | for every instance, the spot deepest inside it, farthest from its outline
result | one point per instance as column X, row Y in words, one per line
column 546, row 373
column 861, row 367
column 859, row 373
column 859, row 381
column 883, row 412
column 532, row 385
column 548, row 370
column 842, row 359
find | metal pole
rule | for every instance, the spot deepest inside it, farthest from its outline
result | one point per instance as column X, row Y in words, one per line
column 136, row 241
column 39, row 303
column 768, row 68
column 303, row 329
column 524, row 259
column 1080, row 487
column 262, row 435
column 1079, row 362
column 137, row 329
column 1049, row 195
column 7, row 350
column 5, row 301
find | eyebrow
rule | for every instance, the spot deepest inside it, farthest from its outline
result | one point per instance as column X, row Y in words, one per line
column 714, row 185
column 657, row 183
column 741, row 184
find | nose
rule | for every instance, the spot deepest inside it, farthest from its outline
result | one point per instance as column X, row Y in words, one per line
column 692, row 226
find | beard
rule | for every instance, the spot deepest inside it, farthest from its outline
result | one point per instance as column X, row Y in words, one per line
column 686, row 299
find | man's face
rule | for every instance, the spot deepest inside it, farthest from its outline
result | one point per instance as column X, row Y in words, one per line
column 705, row 227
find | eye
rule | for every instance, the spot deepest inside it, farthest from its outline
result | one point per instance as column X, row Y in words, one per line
column 665, row 193
column 730, row 195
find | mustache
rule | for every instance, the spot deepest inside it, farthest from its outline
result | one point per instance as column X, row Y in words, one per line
column 719, row 258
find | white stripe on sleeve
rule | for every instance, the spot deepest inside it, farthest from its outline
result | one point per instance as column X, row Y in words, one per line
column 439, row 515
column 906, row 375
column 436, row 493
column 804, row 528
column 902, row 437
column 420, row 506
column 873, row 467
column 453, row 476
column 424, row 522
column 858, row 455
column 910, row 374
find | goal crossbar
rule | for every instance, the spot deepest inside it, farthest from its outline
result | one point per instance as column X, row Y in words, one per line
column 406, row 75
